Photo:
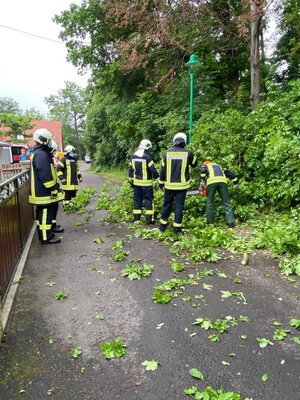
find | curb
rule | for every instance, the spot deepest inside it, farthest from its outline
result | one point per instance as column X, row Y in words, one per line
column 7, row 306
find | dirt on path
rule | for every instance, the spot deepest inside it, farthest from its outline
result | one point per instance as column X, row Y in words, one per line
column 102, row 305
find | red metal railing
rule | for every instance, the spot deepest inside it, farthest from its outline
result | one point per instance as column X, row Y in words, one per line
column 16, row 220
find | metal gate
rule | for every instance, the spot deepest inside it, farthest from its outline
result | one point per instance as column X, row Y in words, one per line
column 16, row 220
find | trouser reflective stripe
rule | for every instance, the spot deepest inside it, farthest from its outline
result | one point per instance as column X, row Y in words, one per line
column 222, row 189
column 143, row 194
column 44, row 217
column 169, row 197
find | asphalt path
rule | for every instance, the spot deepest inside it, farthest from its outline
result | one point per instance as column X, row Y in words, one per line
column 36, row 360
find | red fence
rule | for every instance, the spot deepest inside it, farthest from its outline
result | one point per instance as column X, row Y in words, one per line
column 16, row 219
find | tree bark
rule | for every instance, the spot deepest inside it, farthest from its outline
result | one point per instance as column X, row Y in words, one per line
column 255, row 66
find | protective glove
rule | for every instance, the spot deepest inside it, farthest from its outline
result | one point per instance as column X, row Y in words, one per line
column 54, row 194
column 62, row 181
column 80, row 178
column 161, row 187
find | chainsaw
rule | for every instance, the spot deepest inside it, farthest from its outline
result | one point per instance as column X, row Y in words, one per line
column 201, row 191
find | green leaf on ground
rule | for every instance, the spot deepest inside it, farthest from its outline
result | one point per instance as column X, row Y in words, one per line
column 280, row 334
column 159, row 326
column 98, row 240
column 76, row 352
column 295, row 323
column 150, row 365
column 113, row 349
column 265, row 377
column 214, row 338
column 195, row 373
column 60, row 295
column 264, row 342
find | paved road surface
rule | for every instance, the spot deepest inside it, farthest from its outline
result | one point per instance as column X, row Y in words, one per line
column 32, row 368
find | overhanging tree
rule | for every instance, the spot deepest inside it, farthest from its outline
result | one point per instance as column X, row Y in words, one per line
column 69, row 106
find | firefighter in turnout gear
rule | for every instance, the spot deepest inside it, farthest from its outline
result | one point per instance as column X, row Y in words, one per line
column 141, row 171
column 216, row 181
column 174, row 179
column 68, row 174
column 55, row 227
column 45, row 192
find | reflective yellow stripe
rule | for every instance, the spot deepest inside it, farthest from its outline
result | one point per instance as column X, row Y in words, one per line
column 61, row 164
column 151, row 163
column 137, row 211
column 183, row 167
column 45, row 199
column 212, row 178
column 163, row 222
column 149, row 212
column 177, row 225
column 42, row 225
column 68, row 173
column 216, row 179
column 32, row 179
column 177, row 185
column 69, row 187
column 140, row 182
column 49, row 184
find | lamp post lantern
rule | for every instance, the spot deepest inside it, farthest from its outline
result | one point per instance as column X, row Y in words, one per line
column 193, row 63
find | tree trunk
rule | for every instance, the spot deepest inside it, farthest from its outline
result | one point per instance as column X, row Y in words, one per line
column 255, row 55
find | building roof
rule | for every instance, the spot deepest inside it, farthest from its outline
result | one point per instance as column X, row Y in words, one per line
column 53, row 126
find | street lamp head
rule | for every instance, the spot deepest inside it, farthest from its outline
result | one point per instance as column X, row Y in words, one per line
column 193, row 61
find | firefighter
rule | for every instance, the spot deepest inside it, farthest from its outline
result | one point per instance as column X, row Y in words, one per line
column 45, row 191
column 174, row 179
column 68, row 174
column 55, row 227
column 141, row 171
column 216, row 181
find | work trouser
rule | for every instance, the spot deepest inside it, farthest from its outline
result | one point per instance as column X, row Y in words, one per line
column 169, row 197
column 69, row 194
column 55, row 210
column 143, row 194
column 222, row 189
column 44, row 217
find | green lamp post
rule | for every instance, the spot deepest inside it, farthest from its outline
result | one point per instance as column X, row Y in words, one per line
column 193, row 63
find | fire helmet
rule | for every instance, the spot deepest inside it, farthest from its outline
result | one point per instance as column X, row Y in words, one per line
column 69, row 148
column 145, row 144
column 42, row 136
column 180, row 137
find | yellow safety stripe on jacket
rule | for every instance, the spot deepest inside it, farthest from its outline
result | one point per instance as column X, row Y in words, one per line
column 68, row 183
column 177, row 185
column 69, row 187
column 141, row 182
column 45, row 199
column 214, row 179
column 32, row 180
column 177, row 155
column 61, row 164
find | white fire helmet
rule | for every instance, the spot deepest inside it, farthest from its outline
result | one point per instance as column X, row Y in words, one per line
column 145, row 144
column 69, row 148
column 180, row 137
column 42, row 136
